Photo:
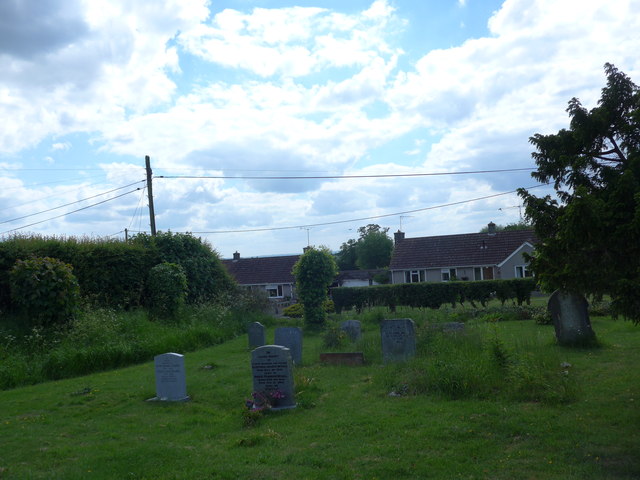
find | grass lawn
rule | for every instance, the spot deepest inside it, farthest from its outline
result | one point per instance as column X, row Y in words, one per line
column 345, row 427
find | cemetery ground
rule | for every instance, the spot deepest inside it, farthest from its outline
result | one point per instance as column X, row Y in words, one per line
column 499, row 401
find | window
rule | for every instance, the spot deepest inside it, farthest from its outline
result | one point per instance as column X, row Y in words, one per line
column 413, row 276
column 275, row 291
column 477, row 274
column 523, row 272
column 448, row 274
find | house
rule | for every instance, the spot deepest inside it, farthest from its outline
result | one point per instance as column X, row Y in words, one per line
column 470, row 256
column 357, row 278
column 270, row 274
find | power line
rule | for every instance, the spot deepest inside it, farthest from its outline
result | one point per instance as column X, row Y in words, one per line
column 267, row 229
column 67, row 204
column 73, row 211
column 322, row 177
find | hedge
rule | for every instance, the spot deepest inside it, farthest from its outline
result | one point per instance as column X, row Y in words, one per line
column 432, row 295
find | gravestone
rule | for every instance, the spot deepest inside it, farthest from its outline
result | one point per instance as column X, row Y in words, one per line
column 272, row 369
column 171, row 385
column 398, row 339
column 255, row 332
column 291, row 338
column 352, row 329
column 570, row 315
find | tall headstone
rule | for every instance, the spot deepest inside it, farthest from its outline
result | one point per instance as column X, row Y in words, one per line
column 255, row 332
column 272, row 370
column 291, row 338
column 398, row 339
column 352, row 328
column 171, row 384
column 570, row 315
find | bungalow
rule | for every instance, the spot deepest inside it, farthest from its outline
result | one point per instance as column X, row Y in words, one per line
column 469, row 256
column 270, row 274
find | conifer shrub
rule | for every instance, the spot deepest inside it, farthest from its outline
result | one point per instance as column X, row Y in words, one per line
column 44, row 290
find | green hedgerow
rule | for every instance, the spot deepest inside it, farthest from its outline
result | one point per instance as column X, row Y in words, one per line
column 167, row 289
column 44, row 290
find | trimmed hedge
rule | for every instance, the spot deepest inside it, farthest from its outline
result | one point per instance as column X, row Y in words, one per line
column 432, row 295
column 112, row 273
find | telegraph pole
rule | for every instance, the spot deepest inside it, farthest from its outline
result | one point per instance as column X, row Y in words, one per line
column 152, row 215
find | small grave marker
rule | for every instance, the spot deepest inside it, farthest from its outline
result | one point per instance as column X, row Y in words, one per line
column 255, row 332
column 352, row 328
column 171, row 385
column 291, row 338
column 272, row 370
column 570, row 315
column 398, row 339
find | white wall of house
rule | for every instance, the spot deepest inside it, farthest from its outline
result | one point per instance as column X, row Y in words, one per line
column 515, row 265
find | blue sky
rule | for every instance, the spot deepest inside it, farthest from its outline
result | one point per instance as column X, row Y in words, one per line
column 288, row 88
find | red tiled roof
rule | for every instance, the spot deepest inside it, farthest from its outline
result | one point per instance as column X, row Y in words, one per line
column 465, row 250
column 261, row 270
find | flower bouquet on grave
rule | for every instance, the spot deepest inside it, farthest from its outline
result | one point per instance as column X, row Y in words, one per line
column 260, row 401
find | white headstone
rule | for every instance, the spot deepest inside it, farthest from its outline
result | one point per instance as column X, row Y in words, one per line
column 171, row 385
column 291, row 338
column 272, row 370
column 398, row 339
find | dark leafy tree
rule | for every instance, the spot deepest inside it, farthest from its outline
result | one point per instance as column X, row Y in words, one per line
column 374, row 247
column 346, row 258
column 314, row 272
column 510, row 227
column 590, row 235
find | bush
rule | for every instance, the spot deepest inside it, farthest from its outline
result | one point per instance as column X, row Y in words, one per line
column 334, row 336
column 167, row 289
column 294, row 311
column 44, row 290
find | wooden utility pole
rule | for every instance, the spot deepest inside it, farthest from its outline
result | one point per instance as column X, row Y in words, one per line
column 152, row 215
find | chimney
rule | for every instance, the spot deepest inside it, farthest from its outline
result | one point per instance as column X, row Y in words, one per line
column 398, row 237
column 492, row 228
column 236, row 256
column 306, row 249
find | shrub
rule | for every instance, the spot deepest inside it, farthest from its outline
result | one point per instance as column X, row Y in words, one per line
column 294, row 311
column 167, row 289
column 334, row 336
column 44, row 290
column 314, row 272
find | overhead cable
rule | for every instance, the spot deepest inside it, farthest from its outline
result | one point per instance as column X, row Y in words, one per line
column 368, row 218
column 323, row 177
column 70, row 203
column 73, row 211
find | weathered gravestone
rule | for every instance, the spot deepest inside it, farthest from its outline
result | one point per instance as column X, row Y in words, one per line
column 352, row 329
column 398, row 339
column 351, row 359
column 570, row 315
column 255, row 332
column 272, row 369
column 171, row 384
column 291, row 338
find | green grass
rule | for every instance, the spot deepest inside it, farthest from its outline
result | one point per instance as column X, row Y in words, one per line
column 346, row 425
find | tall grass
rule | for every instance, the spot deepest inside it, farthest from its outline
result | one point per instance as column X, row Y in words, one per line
column 475, row 363
column 102, row 339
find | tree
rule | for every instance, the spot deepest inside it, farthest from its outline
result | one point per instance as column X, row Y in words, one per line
column 314, row 272
column 509, row 227
column 374, row 247
column 346, row 258
column 590, row 236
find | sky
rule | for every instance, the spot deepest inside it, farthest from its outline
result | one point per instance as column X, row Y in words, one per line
column 361, row 102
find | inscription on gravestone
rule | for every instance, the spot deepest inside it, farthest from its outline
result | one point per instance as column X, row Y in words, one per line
column 291, row 338
column 398, row 339
column 570, row 315
column 272, row 369
column 352, row 328
column 171, row 385
column 255, row 332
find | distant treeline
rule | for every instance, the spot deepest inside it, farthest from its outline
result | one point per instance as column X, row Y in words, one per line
column 432, row 295
column 113, row 273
